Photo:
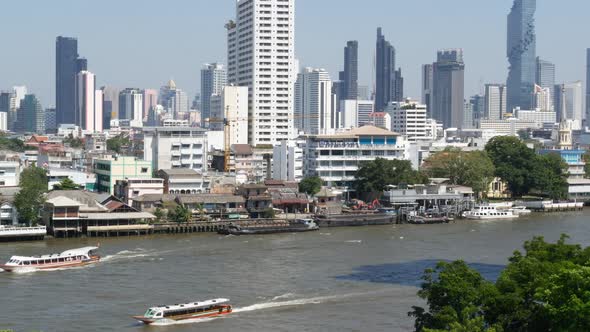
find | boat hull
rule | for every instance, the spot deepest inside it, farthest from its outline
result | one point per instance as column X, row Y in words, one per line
column 171, row 320
column 491, row 218
column 49, row 267
column 270, row 230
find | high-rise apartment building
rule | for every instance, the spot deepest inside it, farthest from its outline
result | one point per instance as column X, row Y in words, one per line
column 448, row 88
column 88, row 103
column 587, row 84
column 131, row 106
column 495, row 101
column 66, row 68
column 427, row 84
column 574, row 101
column 8, row 107
column 384, row 73
column 314, row 107
column 545, row 78
column 521, row 52
column 478, row 107
column 398, row 86
column 408, row 118
column 213, row 79
column 350, row 75
column 261, row 56
column 542, row 99
column 31, row 117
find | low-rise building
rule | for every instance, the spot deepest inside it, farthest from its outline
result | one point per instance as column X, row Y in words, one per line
column 109, row 170
column 83, row 179
column 258, row 199
column 217, row 206
column 8, row 213
column 9, row 173
column 55, row 156
column 176, row 147
column 437, row 195
column 183, row 181
column 129, row 189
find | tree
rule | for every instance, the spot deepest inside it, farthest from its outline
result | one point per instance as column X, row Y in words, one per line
column 66, row 184
column 117, row 143
column 268, row 213
column 586, row 158
column 74, row 142
column 550, row 176
column 180, row 214
column 159, row 214
column 376, row 175
column 311, row 185
column 12, row 144
column 28, row 201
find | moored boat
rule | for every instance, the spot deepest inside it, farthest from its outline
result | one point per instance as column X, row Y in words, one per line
column 521, row 210
column 169, row 314
column 487, row 212
column 66, row 259
column 299, row 225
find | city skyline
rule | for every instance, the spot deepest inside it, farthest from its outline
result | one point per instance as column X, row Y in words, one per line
column 139, row 65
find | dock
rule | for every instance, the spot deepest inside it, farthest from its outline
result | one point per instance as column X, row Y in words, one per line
column 550, row 206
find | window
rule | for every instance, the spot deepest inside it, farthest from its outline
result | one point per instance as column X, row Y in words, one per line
column 144, row 170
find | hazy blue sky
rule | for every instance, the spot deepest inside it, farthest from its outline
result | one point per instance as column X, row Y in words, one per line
column 144, row 43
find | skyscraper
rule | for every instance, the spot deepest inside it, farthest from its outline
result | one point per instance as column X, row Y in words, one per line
column 398, row 86
column 85, row 102
column 66, row 65
column 31, row 117
column 545, row 78
column 448, row 88
column 173, row 99
column 384, row 73
column 261, row 56
column 7, row 106
column 427, row 84
column 350, row 75
column 213, row 79
column 150, row 100
column 478, row 108
column 521, row 52
column 587, row 84
column 495, row 101
column 110, row 105
column 131, row 106
column 314, row 110
column 574, row 102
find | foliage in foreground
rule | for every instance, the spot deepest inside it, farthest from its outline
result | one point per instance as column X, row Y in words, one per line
column 546, row 289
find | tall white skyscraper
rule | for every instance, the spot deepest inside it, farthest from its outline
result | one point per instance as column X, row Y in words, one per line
column 261, row 56
column 314, row 108
column 88, row 110
column 231, row 106
column 213, row 79
column 574, row 103
column 495, row 101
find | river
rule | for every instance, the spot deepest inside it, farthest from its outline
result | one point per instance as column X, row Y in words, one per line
column 339, row 279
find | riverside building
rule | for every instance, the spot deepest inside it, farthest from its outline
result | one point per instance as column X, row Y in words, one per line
column 175, row 147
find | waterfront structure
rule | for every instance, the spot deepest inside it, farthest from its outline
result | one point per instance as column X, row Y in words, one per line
column 131, row 106
column 89, row 103
column 355, row 113
column 336, row 158
column 521, row 53
column 349, row 76
column 261, row 56
column 545, row 78
column 129, row 189
column 448, row 93
column 287, row 161
column 385, row 73
column 110, row 169
column 174, row 100
column 110, row 105
column 66, row 67
column 229, row 112
column 435, row 195
column 31, row 116
column 495, row 101
column 314, row 108
column 213, row 79
column 175, row 147
column 9, row 173
column 149, row 97
column 578, row 185
column 183, row 181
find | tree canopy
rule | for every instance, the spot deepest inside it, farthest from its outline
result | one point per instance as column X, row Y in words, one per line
column 474, row 169
column 33, row 184
column 180, row 214
column 66, row 184
column 117, row 143
column 12, row 144
column 376, row 175
column 524, row 170
column 311, row 185
column 545, row 289
column 74, row 142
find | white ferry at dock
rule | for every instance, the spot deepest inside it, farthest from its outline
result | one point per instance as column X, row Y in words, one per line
column 66, row 259
column 487, row 212
column 170, row 314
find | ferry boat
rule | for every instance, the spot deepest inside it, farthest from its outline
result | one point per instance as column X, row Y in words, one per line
column 66, row 259
column 17, row 233
column 168, row 314
column 484, row 212
column 271, row 227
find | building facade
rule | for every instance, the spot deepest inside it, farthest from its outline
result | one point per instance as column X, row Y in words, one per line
column 213, row 79
column 545, row 78
column 89, row 103
column 66, row 55
column 110, row 105
column 287, row 161
column 384, row 72
column 448, row 93
column 112, row 169
column 495, row 101
column 131, row 106
column 261, row 56
column 175, row 147
column 31, row 116
column 230, row 109
column 314, row 109
column 350, row 75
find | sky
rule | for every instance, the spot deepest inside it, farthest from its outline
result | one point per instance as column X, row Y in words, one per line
column 144, row 43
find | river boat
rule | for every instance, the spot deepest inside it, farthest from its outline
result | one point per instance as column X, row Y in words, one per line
column 487, row 212
column 67, row 259
column 170, row 314
column 270, row 227
column 17, row 233
column 521, row 210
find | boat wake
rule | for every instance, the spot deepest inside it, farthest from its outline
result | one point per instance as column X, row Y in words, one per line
column 284, row 296
column 293, row 303
column 129, row 254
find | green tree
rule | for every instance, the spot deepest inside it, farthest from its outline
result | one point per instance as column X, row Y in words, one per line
column 268, row 213
column 159, row 214
column 376, row 175
column 12, row 144
column 180, row 214
column 586, row 158
column 28, row 201
column 66, row 184
column 311, row 185
column 117, row 143
column 550, row 176
column 74, row 142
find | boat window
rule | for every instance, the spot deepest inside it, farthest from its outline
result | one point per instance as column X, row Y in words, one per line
column 27, row 262
column 200, row 310
column 159, row 314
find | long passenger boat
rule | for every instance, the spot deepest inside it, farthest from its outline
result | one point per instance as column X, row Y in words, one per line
column 66, row 259
column 169, row 314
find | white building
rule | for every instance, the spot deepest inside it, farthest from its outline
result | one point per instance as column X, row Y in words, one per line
column 495, row 101
column 314, row 103
column 542, row 99
column 88, row 103
column 55, row 175
column 4, row 121
column 538, row 116
column 175, row 147
column 381, row 120
column 287, row 161
column 409, row 119
column 355, row 113
column 336, row 158
column 261, row 56
column 574, row 103
column 131, row 107
column 9, row 173
column 506, row 127
column 231, row 106
column 131, row 188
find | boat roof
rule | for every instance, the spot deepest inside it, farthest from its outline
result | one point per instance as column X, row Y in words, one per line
column 190, row 305
column 67, row 253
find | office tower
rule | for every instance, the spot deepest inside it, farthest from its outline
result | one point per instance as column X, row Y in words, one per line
column 81, row 64
column 363, row 92
column 545, row 78
column 31, row 117
column 408, row 118
column 467, row 115
column 427, row 84
column 350, row 75
column 88, row 115
column 174, row 100
column 355, row 113
column 521, row 52
column 398, row 86
column 478, row 108
column 7, row 106
column 448, row 88
column 110, row 105
column 384, row 73
column 131, row 106
column 314, row 111
column 587, row 84
column 213, row 79
column 50, row 120
column 261, row 56
column 150, row 100
column 573, row 95
column 495, row 101
column 542, row 99
column 66, row 65
column 19, row 94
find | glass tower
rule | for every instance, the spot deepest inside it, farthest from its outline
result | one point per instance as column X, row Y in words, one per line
column 66, row 65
